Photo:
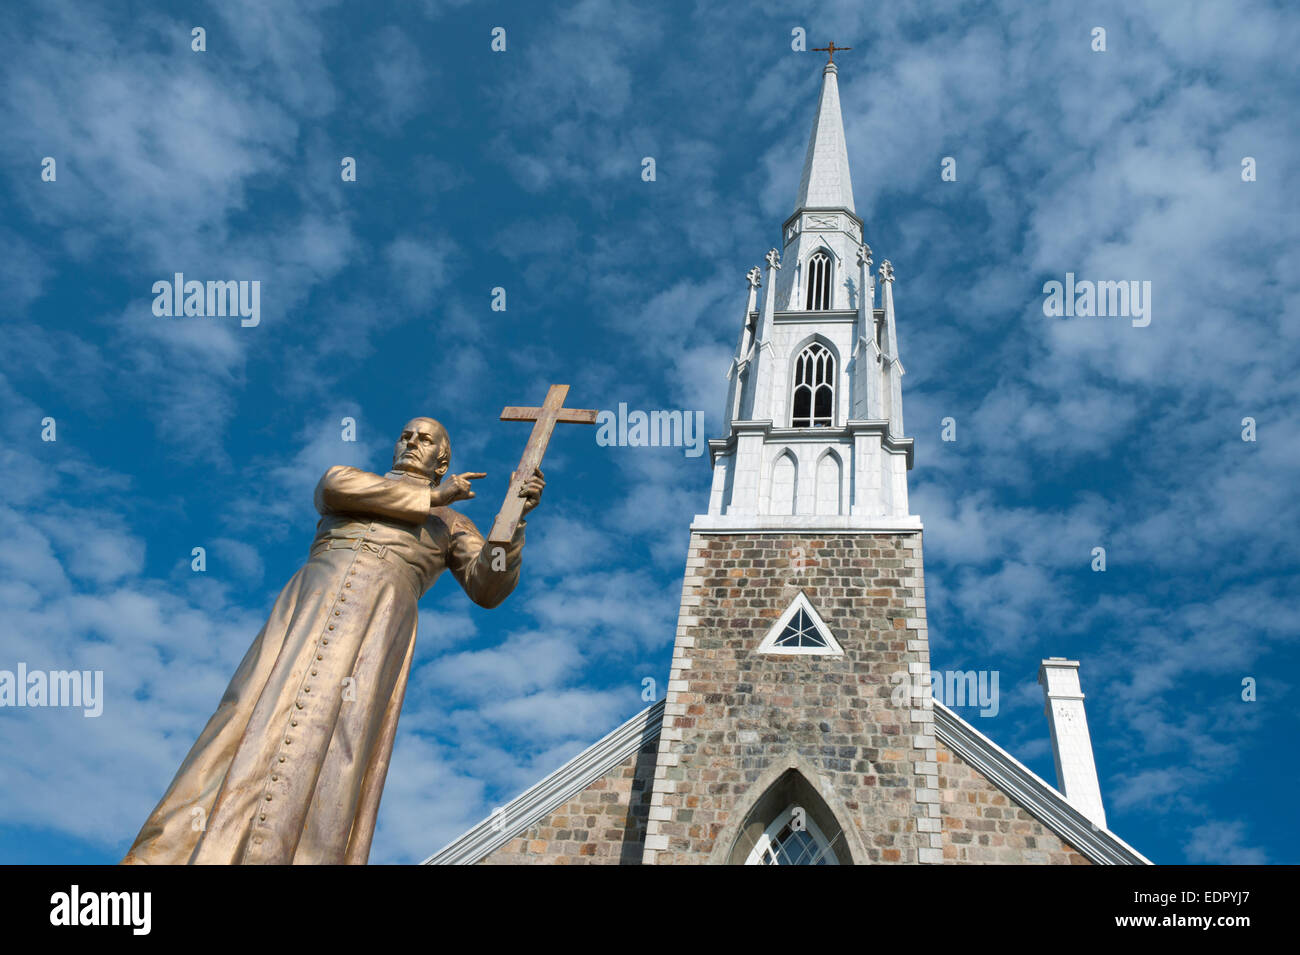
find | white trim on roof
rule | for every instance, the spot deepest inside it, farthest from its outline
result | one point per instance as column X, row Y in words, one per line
column 1008, row 774
column 1040, row 800
column 552, row 792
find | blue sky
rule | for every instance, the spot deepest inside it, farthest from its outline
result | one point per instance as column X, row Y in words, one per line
column 522, row 170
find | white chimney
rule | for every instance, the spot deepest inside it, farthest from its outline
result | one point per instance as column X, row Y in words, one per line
column 1076, row 773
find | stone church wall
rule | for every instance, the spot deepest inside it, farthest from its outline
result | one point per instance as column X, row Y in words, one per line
column 736, row 718
column 604, row 824
column 737, row 721
column 981, row 825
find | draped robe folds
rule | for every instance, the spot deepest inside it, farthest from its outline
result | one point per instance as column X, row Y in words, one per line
column 291, row 766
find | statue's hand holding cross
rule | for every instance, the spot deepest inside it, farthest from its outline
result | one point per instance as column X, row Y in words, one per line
column 526, row 482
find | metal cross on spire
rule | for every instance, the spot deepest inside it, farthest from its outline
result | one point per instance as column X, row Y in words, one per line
column 830, row 49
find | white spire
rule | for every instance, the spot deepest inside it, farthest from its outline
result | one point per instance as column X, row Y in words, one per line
column 825, row 183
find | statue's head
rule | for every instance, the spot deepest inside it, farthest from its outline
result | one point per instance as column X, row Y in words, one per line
column 423, row 449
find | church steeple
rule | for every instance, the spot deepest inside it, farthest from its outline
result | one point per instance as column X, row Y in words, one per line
column 823, row 235
column 826, row 183
column 814, row 411
column 797, row 726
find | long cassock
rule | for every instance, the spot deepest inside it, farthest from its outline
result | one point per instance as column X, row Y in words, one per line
column 291, row 766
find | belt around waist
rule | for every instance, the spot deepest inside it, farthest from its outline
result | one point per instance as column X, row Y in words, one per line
column 348, row 543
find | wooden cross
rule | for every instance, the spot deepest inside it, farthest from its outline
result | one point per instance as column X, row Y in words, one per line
column 544, row 418
column 830, row 48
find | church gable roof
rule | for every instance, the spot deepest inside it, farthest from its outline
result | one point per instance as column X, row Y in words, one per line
column 1000, row 768
column 554, row 791
column 1031, row 791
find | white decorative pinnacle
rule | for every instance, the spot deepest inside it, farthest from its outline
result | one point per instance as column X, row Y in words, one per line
column 754, row 275
column 773, row 259
column 886, row 271
column 864, row 255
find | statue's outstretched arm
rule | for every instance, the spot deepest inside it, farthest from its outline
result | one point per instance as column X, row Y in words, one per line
column 345, row 490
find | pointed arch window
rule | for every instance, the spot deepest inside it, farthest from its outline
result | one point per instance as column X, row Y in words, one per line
column 790, row 824
column 814, row 388
column 783, row 492
column 792, row 839
column 829, row 483
column 819, row 281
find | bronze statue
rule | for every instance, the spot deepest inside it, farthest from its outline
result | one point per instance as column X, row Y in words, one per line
column 291, row 766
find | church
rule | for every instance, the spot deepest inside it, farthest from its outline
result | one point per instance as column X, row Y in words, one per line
column 798, row 727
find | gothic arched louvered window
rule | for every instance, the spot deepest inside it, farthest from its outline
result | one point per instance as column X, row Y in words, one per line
column 814, row 388
column 818, row 281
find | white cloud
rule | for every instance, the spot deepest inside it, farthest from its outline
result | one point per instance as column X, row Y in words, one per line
column 524, row 662
column 1223, row 843
column 559, row 714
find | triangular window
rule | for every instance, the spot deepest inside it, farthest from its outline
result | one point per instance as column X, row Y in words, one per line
column 800, row 630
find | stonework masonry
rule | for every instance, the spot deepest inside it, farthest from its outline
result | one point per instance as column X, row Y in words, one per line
column 981, row 825
column 604, row 824
column 735, row 720
column 735, row 717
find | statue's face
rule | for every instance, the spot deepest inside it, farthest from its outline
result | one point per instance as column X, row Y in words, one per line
column 420, row 448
